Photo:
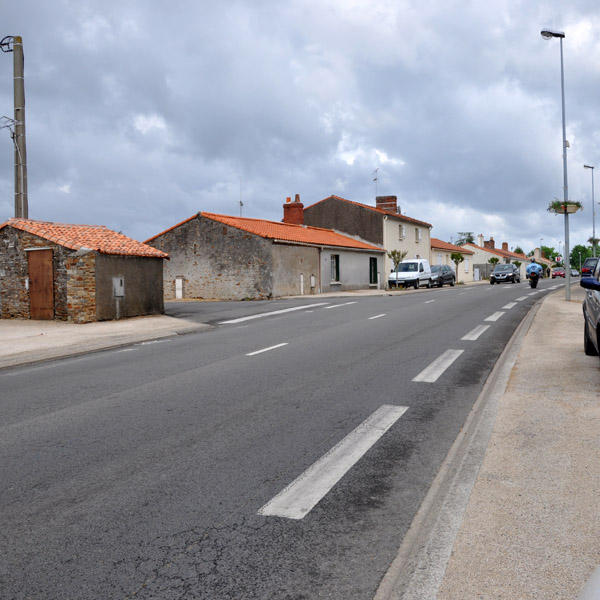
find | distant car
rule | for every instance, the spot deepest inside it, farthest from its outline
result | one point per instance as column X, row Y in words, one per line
column 591, row 312
column 558, row 272
column 588, row 266
column 505, row 273
column 441, row 274
column 574, row 273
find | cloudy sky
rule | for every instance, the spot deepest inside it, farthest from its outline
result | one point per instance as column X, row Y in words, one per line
column 140, row 113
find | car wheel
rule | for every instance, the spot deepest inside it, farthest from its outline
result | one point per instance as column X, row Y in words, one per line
column 452, row 282
column 429, row 286
column 491, row 282
column 588, row 345
column 441, row 283
column 416, row 284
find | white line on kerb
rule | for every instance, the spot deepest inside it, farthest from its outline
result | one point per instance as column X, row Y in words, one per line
column 268, row 314
column 338, row 305
column 438, row 366
column 509, row 305
column 495, row 316
column 475, row 333
column 377, row 317
column 267, row 349
column 303, row 494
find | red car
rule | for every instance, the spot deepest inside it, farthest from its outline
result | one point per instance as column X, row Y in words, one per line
column 558, row 272
column 588, row 266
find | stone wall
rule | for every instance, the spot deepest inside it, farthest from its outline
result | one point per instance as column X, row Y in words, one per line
column 215, row 261
column 81, row 286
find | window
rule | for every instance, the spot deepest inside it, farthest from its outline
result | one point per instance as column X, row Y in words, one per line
column 402, row 231
column 417, row 235
column 466, row 265
column 335, row 267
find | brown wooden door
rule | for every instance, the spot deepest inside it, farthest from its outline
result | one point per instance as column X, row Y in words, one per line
column 41, row 284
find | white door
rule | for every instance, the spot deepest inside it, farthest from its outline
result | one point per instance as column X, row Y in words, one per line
column 178, row 288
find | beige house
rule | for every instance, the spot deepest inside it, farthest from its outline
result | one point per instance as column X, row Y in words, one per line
column 486, row 249
column 382, row 224
column 441, row 253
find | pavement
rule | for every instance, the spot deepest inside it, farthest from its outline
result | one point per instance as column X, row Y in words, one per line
column 524, row 524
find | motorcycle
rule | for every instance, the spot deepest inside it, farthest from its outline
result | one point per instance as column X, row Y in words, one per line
column 533, row 279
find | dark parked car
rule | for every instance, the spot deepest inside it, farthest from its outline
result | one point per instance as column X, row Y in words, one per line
column 502, row 273
column 558, row 272
column 591, row 312
column 441, row 274
column 588, row 266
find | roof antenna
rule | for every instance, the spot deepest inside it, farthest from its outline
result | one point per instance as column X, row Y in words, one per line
column 375, row 172
column 241, row 203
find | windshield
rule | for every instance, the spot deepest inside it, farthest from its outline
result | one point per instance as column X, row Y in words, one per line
column 436, row 268
column 503, row 268
column 408, row 266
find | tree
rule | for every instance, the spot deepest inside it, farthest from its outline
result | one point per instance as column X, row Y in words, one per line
column 397, row 256
column 518, row 264
column 594, row 242
column 465, row 237
column 456, row 258
column 518, row 250
column 579, row 253
column 494, row 260
column 548, row 251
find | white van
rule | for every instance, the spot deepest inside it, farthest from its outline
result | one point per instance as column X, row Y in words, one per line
column 412, row 271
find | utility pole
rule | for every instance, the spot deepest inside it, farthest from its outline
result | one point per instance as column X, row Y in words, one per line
column 14, row 44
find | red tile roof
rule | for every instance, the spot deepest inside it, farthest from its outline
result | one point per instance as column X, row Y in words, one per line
column 284, row 232
column 440, row 245
column 77, row 237
column 389, row 213
column 500, row 252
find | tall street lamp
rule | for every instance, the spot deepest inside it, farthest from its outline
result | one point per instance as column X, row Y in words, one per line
column 548, row 34
column 593, row 211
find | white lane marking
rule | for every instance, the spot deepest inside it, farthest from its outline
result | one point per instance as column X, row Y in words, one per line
column 267, row 349
column 495, row 316
column 533, row 293
column 152, row 342
column 521, row 299
column 268, row 314
column 377, row 317
column 438, row 366
column 509, row 305
column 429, row 301
column 303, row 494
column 338, row 305
column 475, row 333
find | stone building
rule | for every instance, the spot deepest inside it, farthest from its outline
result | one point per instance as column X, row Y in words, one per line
column 234, row 258
column 77, row 273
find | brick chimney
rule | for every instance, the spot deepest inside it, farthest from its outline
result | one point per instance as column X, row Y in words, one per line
column 293, row 212
column 480, row 240
column 505, row 246
column 490, row 244
column 387, row 203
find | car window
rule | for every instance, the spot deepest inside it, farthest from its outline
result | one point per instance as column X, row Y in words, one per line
column 407, row 267
column 436, row 269
column 503, row 268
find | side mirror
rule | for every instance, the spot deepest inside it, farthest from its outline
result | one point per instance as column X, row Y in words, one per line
column 590, row 283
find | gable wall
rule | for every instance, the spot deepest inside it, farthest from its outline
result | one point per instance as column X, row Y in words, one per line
column 292, row 269
column 216, row 262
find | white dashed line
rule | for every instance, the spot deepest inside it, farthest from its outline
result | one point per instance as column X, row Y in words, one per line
column 475, row 333
column 304, row 493
column 266, row 349
column 429, row 301
column 521, row 299
column 376, row 317
column 509, row 305
column 438, row 366
column 269, row 314
column 495, row 316
column 338, row 305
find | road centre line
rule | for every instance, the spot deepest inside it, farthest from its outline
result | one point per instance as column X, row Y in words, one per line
column 338, row 305
column 269, row 314
column 495, row 316
column 475, row 333
column 521, row 299
column 509, row 305
column 533, row 293
column 376, row 317
column 438, row 366
column 306, row 491
column 266, row 349
column 429, row 301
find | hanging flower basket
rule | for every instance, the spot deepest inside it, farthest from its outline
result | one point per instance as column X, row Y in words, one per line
column 560, row 208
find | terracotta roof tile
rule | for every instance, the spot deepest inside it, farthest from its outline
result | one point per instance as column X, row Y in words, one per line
column 435, row 243
column 389, row 213
column 93, row 237
column 500, row 252
column 285, row 232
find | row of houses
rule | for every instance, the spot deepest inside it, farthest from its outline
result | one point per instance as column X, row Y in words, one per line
column 84, row 273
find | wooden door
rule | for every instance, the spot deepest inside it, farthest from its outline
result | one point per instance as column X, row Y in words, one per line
column 41, row 284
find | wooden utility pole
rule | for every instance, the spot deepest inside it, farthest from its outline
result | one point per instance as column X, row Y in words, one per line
column 21, row 204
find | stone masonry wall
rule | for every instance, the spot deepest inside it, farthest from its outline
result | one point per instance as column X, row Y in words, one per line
column 81, row 286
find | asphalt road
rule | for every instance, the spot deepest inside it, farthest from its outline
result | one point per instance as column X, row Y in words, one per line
column 147, row 472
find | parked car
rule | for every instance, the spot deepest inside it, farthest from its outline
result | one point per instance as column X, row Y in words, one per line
column 441, row 274
column 574, row 273
column 504, row 273
column 412, row 272
column 558, row 272
column 591, row 312
column 588, row 266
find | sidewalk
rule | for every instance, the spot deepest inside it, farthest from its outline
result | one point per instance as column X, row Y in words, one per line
column 532, row 525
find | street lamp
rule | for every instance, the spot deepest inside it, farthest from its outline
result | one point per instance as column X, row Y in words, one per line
column 593, row 211
column 548, row 34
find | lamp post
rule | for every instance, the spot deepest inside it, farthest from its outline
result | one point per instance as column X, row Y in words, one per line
column 593, row 211
column 541, row 253
column 548, row 34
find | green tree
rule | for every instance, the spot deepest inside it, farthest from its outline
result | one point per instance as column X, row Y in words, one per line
column 548, row 252
column 594, row 243
column 494, row 260
column 397, row 256
column 518, row 264
column 465, row 237
column 456, row 258
column 518, row 250
column 578, row 255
